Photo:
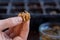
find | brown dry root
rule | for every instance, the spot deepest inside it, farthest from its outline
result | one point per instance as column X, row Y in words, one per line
column 16, row 30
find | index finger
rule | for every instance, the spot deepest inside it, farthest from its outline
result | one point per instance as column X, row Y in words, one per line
column 10, row 22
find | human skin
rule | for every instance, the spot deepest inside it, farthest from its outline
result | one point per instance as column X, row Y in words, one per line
column 12, row 22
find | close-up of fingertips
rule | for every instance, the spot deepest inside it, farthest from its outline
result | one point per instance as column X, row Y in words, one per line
column 16, row 20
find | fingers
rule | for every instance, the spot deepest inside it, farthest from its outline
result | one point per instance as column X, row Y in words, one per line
column 3, row 36
column 25, row 25
column 17, row 38
column 25, row 30
column 9, row 31
column 10, row 22
column 20, row 29
column 16, row 31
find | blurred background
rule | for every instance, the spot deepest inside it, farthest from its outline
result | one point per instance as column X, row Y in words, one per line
column 41, row 11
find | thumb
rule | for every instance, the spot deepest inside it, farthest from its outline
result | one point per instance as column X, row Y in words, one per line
column 10, row 22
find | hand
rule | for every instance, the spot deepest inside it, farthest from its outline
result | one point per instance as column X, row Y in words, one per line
column 12, row 22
